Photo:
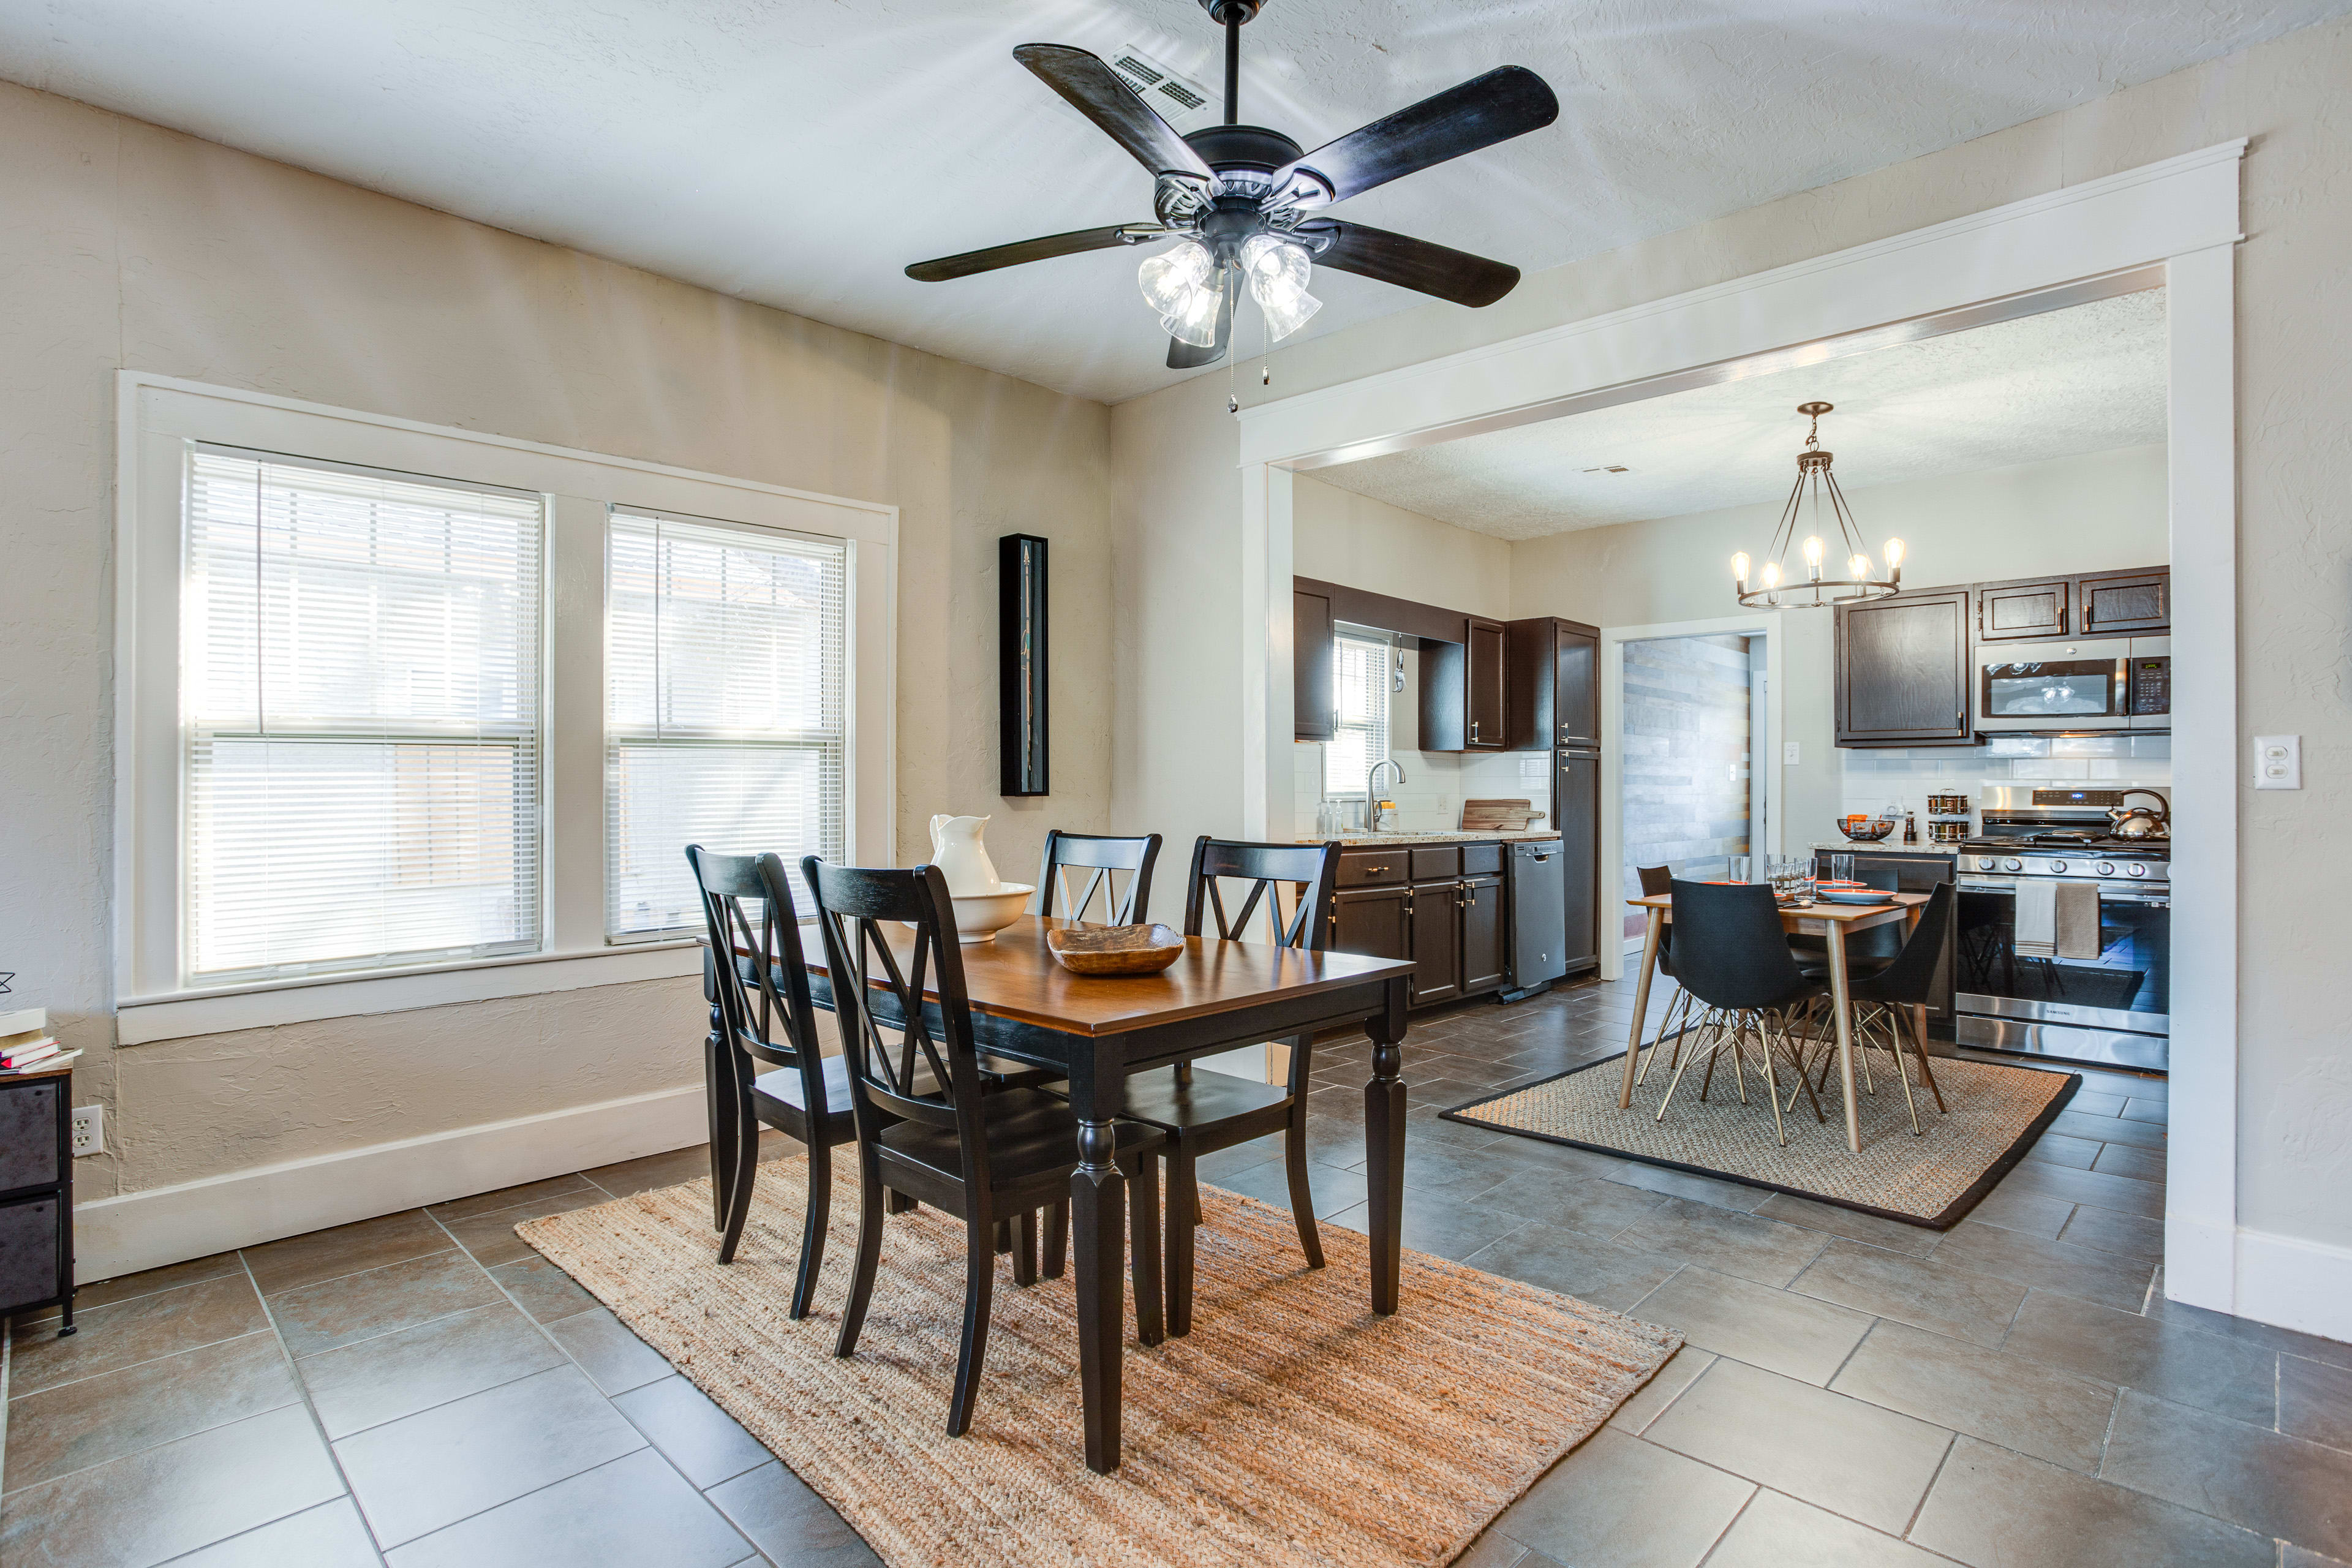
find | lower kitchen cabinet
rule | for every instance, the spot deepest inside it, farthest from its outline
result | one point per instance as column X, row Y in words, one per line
column 1438, row 906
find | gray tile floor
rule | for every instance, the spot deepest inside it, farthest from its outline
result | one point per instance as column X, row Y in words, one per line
column 422, row 1389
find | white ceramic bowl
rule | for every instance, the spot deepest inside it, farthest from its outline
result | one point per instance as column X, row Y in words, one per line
column 980, row 916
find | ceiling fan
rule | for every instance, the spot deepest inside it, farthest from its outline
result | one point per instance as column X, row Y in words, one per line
column 1240, row 199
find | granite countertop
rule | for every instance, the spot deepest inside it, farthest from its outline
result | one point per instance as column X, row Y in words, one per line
column 1894, row 846
column 1353, row 840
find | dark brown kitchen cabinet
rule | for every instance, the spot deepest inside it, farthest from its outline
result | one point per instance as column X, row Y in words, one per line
column 1553, row 684
column 1371, row 921
column 1576, row 799
column 2124, row 603
column 1488, row 682
column 1314, row 703
column 1434, row 912
column 1463, row 689
column 1902, row 671
column 2008, row 611
column 1485, row 935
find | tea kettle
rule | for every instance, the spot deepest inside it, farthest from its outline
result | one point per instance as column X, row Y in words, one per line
column 2140, row 821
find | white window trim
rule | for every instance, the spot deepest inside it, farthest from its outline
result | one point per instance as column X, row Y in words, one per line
column 157, row 416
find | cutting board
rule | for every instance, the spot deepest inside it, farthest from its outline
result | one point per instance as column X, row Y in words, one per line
column 1497, row 816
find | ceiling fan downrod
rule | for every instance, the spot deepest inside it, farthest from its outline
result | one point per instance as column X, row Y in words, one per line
column 1230, row 15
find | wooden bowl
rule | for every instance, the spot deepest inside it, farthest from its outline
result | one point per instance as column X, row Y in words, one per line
column 1115, row 949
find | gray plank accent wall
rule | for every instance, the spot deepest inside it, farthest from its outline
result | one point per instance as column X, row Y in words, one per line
column 1686, row 756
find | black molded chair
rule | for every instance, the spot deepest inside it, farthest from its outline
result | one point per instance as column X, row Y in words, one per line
column 927, row 1125
column 1866, row 952
column 1732, row 956
column 1101, row 855
column 1201, row 1113
column 756, row 981
column 1883, row 1001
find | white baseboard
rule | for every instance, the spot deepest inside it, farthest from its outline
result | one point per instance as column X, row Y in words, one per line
column 243, row 1208
column 2294, row 1284
column 2201, row 1264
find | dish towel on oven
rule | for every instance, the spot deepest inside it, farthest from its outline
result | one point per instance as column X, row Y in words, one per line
column 2078, row 920
column 2037, row 919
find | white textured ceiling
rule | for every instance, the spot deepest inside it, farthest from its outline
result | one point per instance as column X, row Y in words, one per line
column 800, row 153
column 2088, row 378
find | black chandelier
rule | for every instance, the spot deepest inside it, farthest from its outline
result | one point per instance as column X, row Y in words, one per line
column 1775, row 589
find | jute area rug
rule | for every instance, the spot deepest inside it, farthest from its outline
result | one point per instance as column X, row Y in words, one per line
column 1992, row 1117
column 1290, row 1427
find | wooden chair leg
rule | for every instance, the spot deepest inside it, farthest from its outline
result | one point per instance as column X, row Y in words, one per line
column 1183, row 1207
column 720, row 1093
column 1003, row 1235
column 741, row 1182
column 1143, row 1247
column 978, row 1292
column 1024, row 1248
column 869, row 1254
column 896, row 1201
column 812, row 1227
column 1057, row 1240
column 1302, row 1196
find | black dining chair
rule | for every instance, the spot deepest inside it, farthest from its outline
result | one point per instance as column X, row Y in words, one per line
column 1731, row 954
column 1866, row 952
column 1101, row 855
column 756, row 981
column 1883, row 1001
column 1201, row 1113
column 928, row 1127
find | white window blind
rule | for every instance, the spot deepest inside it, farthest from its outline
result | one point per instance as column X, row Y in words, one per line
column 725, row 726
column 361, row 707
column 1361, row 672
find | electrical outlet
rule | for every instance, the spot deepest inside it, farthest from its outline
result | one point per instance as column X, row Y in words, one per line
column 88, row 1129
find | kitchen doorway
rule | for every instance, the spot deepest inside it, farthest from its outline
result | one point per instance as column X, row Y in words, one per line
column 1687, row 784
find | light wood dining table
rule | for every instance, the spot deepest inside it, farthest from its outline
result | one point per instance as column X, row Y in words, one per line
column 1094, row 1031
column 1830, row 923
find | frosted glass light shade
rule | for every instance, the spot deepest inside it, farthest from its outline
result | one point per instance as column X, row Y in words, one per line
column 1278, row 270
column 1196, row 321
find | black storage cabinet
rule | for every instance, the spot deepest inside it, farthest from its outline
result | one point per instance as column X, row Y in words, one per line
column 37, row 1193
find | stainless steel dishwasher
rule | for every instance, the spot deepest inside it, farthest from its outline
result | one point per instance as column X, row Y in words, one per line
column 1538, row 894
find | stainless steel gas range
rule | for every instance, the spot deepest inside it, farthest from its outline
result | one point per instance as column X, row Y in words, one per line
column 2065, row 943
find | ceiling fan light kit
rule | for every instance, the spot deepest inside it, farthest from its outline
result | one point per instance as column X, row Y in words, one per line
column 1816, row 592
column 1240, row 200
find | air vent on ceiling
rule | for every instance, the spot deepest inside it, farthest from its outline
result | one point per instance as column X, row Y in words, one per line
column 1180, row 101
column 1609, row 468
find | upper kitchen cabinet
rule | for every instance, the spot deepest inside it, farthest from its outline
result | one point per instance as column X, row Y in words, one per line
column 1463, row 689
column 2092, row 605
column 1902, row 671
column 1554, row 684
column 1312, row 644
column 2126, row 603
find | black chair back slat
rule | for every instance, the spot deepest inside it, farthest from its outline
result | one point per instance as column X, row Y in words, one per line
column 852, row 905
column 1309, row 870
column 1101, row 855
column 1730, row 949
column 754, row 971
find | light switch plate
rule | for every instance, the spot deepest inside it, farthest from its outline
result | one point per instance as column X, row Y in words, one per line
column 2278, row 762
column 1790, row 755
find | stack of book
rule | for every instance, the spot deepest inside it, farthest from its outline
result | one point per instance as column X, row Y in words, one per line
column 26, row 1044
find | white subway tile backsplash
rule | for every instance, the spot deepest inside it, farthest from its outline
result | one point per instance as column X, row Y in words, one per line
column 1902, row 780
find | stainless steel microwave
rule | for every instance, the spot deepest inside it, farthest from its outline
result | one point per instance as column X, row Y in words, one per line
column 2116, row 683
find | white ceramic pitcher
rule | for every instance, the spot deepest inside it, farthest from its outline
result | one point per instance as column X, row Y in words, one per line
column 962, row 858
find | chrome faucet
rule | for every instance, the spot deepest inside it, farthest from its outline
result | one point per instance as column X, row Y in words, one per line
column 1372, row 793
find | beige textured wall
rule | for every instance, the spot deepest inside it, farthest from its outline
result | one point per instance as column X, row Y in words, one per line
column 2293, row 98
column 128, row 246
column 1341, row 537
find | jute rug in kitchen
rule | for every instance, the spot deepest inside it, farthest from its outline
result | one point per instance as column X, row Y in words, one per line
column 1993, row 1115
column 1290, row 1428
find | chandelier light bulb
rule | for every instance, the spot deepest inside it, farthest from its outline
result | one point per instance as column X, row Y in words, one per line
column 1813, row 551
column 1739, row 568
column 1859, row 567
column 1894, row 552
column 1171, row 279
column 1772, row 573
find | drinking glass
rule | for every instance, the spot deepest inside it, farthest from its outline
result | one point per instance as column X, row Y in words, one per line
column 1841, row 868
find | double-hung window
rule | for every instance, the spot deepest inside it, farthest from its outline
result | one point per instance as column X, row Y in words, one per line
column 725, row 677
column 361, row 719
column 1361, row 673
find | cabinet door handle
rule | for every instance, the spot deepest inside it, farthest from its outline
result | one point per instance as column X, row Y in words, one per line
column 1473, row 728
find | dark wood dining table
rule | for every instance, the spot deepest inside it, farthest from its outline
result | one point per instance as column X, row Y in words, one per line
column 1829, row 922
column 1218, row 996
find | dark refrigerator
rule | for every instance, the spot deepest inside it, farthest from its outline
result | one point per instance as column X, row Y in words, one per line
column 1576, row 810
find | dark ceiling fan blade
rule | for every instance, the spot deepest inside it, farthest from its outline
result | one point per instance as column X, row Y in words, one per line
column 1507, row 102
column 1183, row 355
column 1094, row 91
column 1411, row 263
column 1040, row 249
